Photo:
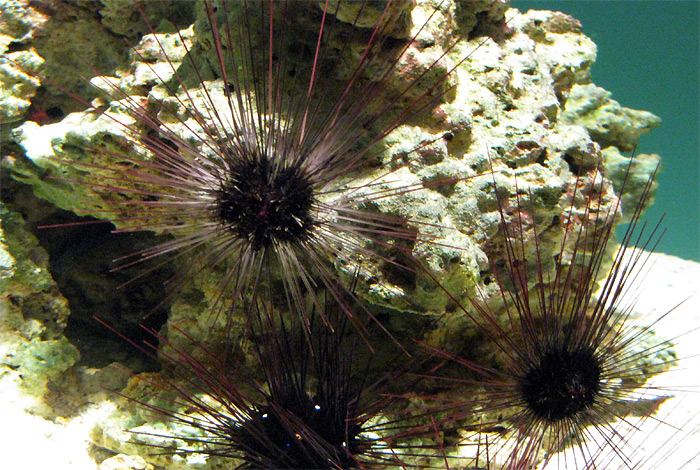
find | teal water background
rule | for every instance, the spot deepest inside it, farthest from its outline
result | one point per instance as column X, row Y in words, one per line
column 649, row 58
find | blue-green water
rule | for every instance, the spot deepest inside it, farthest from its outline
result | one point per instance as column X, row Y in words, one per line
column 649, row 56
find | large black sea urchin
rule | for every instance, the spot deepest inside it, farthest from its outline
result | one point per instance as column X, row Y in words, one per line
column 307, row 402
column 567, row 363
column 561, row 384
column 254, row 154
column 298, row 430
column 266, row 203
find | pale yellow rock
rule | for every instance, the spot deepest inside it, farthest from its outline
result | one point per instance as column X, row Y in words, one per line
column 125, row 462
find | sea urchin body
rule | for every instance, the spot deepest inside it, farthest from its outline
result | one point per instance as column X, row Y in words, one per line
column 567, row 362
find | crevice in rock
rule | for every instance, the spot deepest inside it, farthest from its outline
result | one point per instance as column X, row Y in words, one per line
column 81, row 263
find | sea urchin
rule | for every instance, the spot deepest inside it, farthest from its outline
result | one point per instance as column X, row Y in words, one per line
column 564, row 357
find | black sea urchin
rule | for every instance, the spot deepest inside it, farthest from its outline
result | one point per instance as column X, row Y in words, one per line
column 257, row 163
column 299, row 405
column 266, row 206
column 561, row 384
column 567, row 361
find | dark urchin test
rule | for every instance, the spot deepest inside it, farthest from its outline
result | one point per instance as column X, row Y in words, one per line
column 561, row 383
column 265, row 203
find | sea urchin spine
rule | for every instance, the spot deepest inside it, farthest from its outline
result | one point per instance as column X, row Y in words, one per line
column 299, row 406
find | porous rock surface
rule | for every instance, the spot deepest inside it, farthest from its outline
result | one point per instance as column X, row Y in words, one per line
column 33, row 313
column 510, row 105
column 520, row 102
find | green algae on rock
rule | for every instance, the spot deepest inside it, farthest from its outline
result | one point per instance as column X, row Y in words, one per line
column 33, row 351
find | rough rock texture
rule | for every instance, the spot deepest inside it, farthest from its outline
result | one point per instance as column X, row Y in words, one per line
column 18, row 87
column 518, row 102
column 33, row 350
column 608, row 123
column 18, row 25
column 125, row 462
column 114, row 432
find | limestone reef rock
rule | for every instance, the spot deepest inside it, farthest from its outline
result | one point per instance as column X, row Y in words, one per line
column 125, row 462
column 526, row 104
column 17, row 26
column 33, row 351
column 608, row 123
column 519, row 108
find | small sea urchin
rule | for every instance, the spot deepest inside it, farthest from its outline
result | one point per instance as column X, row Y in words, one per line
column 300, row 405
column 567, row 362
